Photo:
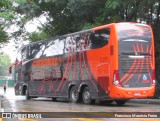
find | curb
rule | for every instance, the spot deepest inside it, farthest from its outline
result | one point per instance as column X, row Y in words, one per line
column 1, row 97
column 6, row 107
column 146, row 101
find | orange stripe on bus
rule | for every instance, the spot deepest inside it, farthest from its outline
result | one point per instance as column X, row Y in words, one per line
column 132, row 66
column 136, row 67
column 142, row 50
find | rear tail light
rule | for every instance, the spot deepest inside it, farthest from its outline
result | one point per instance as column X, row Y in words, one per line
column 116, row 79
column 153, row 77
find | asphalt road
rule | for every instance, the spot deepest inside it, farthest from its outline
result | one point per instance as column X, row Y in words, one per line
column 64, row 110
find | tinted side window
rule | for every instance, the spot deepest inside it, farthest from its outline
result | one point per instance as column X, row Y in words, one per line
column 36, row 50
column 19, row 56
column 46, row 49
column 70, row 44
column 78, row 42
column 24, row 54
column 54, row 47
column 83, row 42
column 99, row 38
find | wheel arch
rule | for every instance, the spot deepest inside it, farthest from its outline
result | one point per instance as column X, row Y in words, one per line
column 82, row 86
column 69, row 89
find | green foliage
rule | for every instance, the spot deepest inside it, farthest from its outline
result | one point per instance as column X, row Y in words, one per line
column 112, row 4
column 5, row 4
column 146, row 11
column 37, row 36
column 3, row 35
column 6, row 11
column 67, row 16
column 6, row 15
column 88, row 26
column 4, row 64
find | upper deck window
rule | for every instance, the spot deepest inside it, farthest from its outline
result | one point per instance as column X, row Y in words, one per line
column 19, row 56
column 53, row 47
column 100, row 38
column 24, row 54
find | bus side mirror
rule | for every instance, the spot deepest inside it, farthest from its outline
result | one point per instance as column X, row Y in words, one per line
column 10, row 70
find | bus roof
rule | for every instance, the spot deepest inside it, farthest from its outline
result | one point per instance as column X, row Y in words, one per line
column 56, row 37
column 80, row 32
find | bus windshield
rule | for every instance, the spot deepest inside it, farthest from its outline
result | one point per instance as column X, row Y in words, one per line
column 135, row 32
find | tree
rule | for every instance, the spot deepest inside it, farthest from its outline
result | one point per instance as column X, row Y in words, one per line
column 3, row 35
column 37, row 36
column 146, row 11
column 4, row 64
column 65, row 16
column 5, row 17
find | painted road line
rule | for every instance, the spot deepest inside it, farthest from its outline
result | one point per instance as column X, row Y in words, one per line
column 2, row 110
column 144, row 119
column 87, row 119
column 26, row 119
column 97, row 114
column 66, row 116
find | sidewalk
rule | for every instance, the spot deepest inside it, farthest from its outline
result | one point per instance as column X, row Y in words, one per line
column 1, row 97
column 5, row 105
column 146, row 101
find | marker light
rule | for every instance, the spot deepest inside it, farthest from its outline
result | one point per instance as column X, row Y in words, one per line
column 116, row 78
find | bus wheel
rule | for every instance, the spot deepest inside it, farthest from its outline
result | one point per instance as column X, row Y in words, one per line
column 86, row 96
column 74, row 95
column 27, row 95
column 120, row 102
column 54, row 99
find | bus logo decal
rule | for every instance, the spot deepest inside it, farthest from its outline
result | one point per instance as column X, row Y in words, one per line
column 144, row 77
column 136, row 53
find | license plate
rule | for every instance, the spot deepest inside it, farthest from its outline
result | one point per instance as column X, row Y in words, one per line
column 137, row 94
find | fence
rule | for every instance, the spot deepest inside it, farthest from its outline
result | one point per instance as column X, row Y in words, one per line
column 9, row 83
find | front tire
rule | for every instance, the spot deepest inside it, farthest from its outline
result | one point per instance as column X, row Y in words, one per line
column 27, row 95
column 74, row 94
column 86, row 96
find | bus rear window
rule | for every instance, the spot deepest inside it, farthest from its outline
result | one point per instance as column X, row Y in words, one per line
column 134, row 31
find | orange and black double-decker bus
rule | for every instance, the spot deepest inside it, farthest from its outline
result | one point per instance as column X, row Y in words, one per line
column 113, row 62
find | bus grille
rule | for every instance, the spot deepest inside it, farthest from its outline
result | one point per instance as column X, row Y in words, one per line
column 135, row 65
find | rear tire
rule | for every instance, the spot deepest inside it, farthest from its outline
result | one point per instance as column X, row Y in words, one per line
column 86, row 96
column 120, row 102
column 74, row 94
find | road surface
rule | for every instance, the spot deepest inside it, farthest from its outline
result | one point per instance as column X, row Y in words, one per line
column 64, row 110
